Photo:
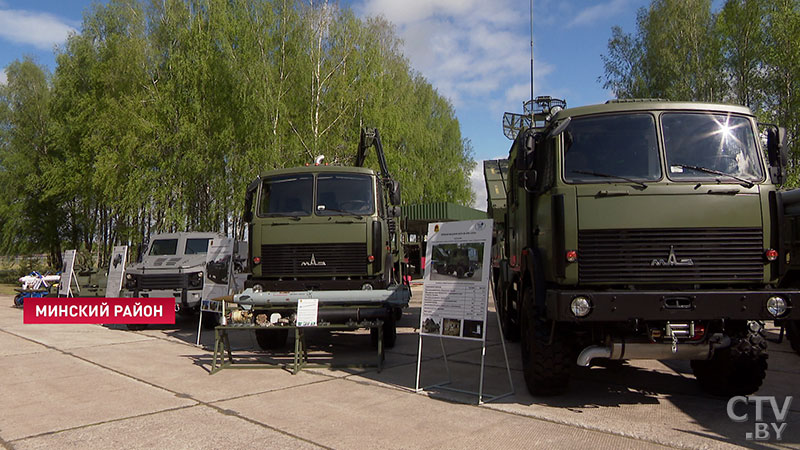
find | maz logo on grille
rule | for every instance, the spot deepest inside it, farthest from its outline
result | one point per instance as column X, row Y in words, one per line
column 672, row 260
column 313, row 262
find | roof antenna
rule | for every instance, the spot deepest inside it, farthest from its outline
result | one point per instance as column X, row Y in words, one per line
column 532, row 60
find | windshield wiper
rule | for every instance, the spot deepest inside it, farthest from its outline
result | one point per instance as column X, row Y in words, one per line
column 606, row 175
column 347, row 213
column 744, row 182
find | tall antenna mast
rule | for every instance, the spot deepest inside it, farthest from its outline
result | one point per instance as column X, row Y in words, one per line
column 531, row 57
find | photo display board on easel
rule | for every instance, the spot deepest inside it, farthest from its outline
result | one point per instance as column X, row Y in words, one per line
column 67, row 274
column 456, row 282
column 116, row 270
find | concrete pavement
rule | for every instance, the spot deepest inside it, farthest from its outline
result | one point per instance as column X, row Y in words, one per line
column 91, row 386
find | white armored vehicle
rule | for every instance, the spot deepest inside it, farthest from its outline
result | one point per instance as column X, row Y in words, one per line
column 174, row 265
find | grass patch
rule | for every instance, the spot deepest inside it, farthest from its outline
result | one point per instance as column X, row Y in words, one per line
column 8, row 289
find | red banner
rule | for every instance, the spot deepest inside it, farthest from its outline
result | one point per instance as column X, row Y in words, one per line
column 99, row 310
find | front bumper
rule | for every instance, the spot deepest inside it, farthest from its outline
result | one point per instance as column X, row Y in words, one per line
column 619, row 306
column 184, row 298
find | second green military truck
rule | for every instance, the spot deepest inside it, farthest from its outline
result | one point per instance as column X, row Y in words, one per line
column 640, row 230
column 330, row 233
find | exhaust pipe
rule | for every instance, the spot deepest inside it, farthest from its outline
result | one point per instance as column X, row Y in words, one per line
column 623, row 350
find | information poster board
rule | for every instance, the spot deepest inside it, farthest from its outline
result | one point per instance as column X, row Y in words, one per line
column 307, row 309
column 66, row 273
column 116, row 270
column 456, row 282
column 218, row 272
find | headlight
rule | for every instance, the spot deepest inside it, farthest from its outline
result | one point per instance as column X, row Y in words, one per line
column 366, row 287
column 581, row 306
column 258, row 288
column 130, row 281
column 777, row 306
column 196, row 278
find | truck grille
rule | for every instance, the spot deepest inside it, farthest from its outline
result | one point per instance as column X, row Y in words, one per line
column 163, row 281
column 296, row 259
column 664, row 255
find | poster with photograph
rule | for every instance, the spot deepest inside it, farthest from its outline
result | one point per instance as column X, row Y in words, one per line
column 456, row 281
column 116, row 270
column 216, row 284
column 67, row 271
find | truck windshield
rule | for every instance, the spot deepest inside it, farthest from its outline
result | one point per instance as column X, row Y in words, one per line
column 602, row 148
column 288, row 195
column 714, row 145
column 196, row 246
column 161, row 247
column 344, row 194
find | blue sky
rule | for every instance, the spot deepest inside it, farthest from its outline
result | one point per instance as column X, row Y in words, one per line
column 475, row 52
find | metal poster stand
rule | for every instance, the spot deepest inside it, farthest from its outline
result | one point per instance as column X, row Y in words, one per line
column 232, row 286
column 70, row 275
column 445, row 384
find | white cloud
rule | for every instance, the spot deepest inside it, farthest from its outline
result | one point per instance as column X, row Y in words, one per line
column 473, row 51
column 599, row 12
column 40, row 30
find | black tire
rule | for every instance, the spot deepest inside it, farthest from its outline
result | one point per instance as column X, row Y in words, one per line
column 793, row 334
column 19, row 300
column 459, row 273
column 389, row 333
column 737, row 370
column 272, row 339
column 546, row 366
column 136, row 326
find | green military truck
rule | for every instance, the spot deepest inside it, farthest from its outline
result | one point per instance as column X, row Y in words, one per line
column 640, row 230
column 330, row 233
column 455, row 259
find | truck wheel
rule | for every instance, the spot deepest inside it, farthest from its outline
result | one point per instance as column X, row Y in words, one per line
column 136, row 326
column 19, row 300
column 459, row 273
column 793, row 334
column 272, row 339
column 389, row 333
column 546, row 365
column 737, row 370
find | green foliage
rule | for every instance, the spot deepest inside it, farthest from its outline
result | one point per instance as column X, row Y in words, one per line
column 159, row 114
column 746, row 53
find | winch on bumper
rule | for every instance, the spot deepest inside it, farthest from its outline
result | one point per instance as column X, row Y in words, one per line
column 615, row 306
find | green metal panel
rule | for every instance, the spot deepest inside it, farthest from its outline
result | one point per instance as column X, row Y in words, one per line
column 441, row 212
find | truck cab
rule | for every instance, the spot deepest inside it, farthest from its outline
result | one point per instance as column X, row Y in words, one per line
column 330, row 233
column 320, row 228
column 641, row 229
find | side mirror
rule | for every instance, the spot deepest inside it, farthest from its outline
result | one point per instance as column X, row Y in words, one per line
column 777, row 152
column 527, row 180
column 558, row 129
column 394, row 192
column 249, row 193
column 394, row 211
